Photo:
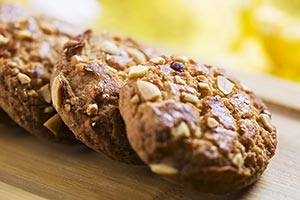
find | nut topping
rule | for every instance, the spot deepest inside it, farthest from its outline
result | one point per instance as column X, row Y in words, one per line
column 111, row 69
column 54, row 124
column 45, row 91
column 23, row 78
column 76, row 59
column 182, row 59
column 148, row 90
column 110, row 48
column 92, row 109
column 186, row 97
column 212, row 122
column 158, row 60
column 198, row 132
column 224, row 85
column 56, row 93
column 182, row 130
column 179, row 80
column 267, row 122
column 204, row 86
column 48, row 28
column 12, row 63
column 32, row 93
column 135, row 99
column 3, row 40
column 137, row 55
column 138, row 71
column 67, row 107
column 163, row 169
column 25, row 34
column 238, row 160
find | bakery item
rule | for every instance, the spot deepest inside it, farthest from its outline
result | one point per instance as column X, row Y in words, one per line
column 85, row 90
column 197, row 124
column 29, row 48
column 9, row 12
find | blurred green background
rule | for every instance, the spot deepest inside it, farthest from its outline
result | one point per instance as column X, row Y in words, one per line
column 253, row 35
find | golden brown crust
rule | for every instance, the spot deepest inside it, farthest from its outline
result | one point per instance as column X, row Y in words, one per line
column 85, row 91
column 197, row 124
column 9, row 12
column 29, row 48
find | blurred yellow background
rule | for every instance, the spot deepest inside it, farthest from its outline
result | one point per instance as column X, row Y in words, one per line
column 254, row 35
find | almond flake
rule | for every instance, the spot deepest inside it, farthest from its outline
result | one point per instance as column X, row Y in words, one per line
column 54, row 124
column 158, row 60
column 212, row 122
column 23, row 78
column 135, row 99
column 267, row 122
column 238, row 160
column 163, row 169
column 138, row 56
column 189, row 98
column 110, row 48
column 45, row 91
column 3, row 40
column 182, row 130
column 148, row 90
column 224, row 85
column 138, row 71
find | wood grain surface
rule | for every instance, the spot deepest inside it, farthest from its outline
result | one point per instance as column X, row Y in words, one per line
column 36, row 169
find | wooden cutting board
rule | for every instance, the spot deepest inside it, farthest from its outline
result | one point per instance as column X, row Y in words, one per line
column 35, row 169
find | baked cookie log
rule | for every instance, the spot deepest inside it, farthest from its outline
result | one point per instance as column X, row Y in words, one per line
column 86, row 86
column 197, row 124
column 29, row 48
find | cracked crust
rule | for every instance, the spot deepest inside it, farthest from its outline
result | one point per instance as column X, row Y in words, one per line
column 197, row 124
column 85, row 90
column 29, row 48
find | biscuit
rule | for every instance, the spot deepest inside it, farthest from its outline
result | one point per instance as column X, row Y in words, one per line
column 85, row 90
column 29, row 48
column 9, row 12
column 197, row 124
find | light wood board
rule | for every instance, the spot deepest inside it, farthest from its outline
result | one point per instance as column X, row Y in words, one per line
column 36, row 169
